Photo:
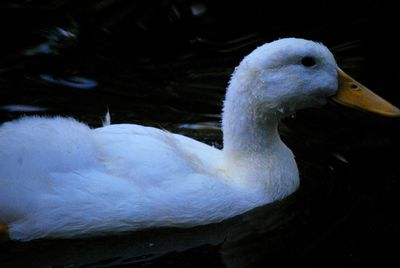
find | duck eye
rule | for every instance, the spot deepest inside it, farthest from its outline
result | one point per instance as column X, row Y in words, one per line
column 308, row 61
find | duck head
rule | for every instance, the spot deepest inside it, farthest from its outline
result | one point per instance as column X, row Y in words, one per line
column 273, row 81
column 289, row 74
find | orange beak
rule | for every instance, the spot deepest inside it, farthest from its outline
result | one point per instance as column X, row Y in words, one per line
column 355, row 95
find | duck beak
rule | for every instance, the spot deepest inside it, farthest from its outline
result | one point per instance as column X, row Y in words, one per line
column 355, row 95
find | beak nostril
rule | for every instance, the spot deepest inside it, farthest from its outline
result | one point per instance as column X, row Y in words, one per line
column 354, row 87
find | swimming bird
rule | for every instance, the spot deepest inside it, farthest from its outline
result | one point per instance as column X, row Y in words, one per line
column 61, row 179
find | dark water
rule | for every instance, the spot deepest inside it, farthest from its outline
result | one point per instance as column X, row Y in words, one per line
column 166, row 63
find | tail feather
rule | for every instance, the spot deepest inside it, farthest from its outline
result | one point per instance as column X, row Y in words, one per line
column 107, row 119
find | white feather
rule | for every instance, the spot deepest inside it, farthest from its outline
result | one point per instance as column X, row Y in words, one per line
column 107, row 119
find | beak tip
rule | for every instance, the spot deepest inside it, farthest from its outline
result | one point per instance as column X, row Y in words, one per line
column 394, row 113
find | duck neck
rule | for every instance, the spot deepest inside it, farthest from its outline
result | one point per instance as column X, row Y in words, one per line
column 254, row 156
column 247, row 135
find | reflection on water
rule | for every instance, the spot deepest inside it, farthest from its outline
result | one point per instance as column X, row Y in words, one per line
column 53, row 40
column 13, row 108
column 166, row 64
column 74, row 82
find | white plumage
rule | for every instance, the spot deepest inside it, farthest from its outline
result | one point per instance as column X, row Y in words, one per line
column 59, row 178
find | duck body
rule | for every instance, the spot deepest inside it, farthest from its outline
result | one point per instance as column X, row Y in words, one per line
column 61, row 179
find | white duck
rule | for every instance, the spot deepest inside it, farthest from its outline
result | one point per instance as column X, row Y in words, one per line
column 61, row 179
